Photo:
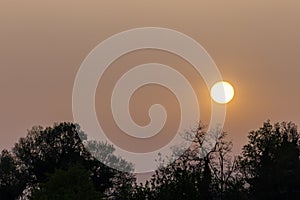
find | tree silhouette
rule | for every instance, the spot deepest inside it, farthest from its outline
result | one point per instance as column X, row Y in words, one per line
column 122, row 182
column 192, row 176
column 105, row 153
column 43, row 151
column 71, row 184
column 12, row 177
column 270, row 162
column 53, row 163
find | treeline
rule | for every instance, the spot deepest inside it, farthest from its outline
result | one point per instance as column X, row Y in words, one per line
column 53, row 163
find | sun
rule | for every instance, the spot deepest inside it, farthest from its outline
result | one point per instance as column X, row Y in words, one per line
column 222, row 92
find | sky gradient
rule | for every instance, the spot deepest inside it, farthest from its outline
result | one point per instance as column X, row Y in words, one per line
column 255, row 45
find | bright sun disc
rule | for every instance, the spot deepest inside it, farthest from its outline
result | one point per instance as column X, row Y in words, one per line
column 222, row 92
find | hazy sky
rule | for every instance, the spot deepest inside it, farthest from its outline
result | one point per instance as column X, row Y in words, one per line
column 255, row 44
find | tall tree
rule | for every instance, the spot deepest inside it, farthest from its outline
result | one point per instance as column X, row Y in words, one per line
column 270, row 162
column 43, row 151
column 193, row 176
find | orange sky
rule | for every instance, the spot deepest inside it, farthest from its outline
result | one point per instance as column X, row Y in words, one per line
column 255, row 45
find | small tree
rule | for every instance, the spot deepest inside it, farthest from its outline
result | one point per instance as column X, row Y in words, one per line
column 123, row 179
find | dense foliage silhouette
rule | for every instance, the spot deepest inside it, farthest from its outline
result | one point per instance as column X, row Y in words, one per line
column 43, row 151
column 73, row 184
column 270, row 163
column 53, row 163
